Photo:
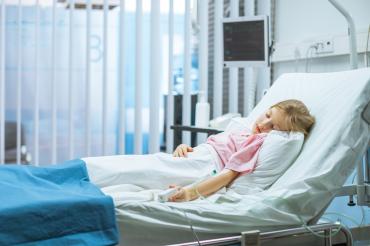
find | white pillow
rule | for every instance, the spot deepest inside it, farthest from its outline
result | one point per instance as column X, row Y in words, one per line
column 277, row 153
column 238, row 124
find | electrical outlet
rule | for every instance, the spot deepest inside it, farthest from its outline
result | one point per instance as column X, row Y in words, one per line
column 324, row 46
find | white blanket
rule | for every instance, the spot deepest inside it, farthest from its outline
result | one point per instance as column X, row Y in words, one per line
column 140, row 177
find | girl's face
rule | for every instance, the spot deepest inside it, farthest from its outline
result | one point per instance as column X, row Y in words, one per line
column 272, row 119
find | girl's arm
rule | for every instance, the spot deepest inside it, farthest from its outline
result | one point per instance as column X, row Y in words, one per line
column 206, row 187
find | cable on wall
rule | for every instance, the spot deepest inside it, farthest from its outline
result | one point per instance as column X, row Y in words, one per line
column 367, row 48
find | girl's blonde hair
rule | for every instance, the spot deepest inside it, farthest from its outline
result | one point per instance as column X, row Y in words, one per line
column 299, row 118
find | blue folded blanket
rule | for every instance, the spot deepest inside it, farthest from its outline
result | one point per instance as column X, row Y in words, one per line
column 54, row 205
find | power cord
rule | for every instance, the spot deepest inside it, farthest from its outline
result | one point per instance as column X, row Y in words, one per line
column 317, row 234
column 297, row 57
column 192, row 229
column 310, row 49
column 367, row 46
column 344, row 216
column 362, row 223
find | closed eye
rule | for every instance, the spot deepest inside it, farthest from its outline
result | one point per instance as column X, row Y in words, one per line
column 275, row 127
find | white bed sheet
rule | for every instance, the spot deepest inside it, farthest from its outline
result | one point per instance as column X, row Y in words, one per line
column 327, row 159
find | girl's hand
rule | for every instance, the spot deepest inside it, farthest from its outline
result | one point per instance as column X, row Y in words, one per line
column 182, row 150
column 182, row 194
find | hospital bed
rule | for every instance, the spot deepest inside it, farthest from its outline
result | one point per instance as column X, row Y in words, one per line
column 336, row 144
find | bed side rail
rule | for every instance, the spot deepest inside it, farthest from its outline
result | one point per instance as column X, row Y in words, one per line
column 255, row 237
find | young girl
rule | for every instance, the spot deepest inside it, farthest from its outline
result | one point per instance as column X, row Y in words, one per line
column 238, row 151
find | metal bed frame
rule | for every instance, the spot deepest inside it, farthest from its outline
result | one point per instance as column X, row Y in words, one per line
column 255, row 237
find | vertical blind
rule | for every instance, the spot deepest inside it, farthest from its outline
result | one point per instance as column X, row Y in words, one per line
column 69, row 111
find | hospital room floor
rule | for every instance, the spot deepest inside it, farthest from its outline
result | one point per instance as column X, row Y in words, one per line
column 361, row 243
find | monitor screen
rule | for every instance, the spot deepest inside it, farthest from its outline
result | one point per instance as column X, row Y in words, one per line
column 245, row 41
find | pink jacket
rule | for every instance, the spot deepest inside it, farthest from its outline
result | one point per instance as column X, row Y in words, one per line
column 237, row 151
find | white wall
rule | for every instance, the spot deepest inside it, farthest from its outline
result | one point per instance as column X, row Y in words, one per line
column 297, row 20
column 300, row 22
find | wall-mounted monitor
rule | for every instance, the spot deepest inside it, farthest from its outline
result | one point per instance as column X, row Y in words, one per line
column 246, row 41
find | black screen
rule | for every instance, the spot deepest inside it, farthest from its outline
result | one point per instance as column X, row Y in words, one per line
column 244, row 41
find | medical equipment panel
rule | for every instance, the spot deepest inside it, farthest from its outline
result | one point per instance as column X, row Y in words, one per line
column 245, row 41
